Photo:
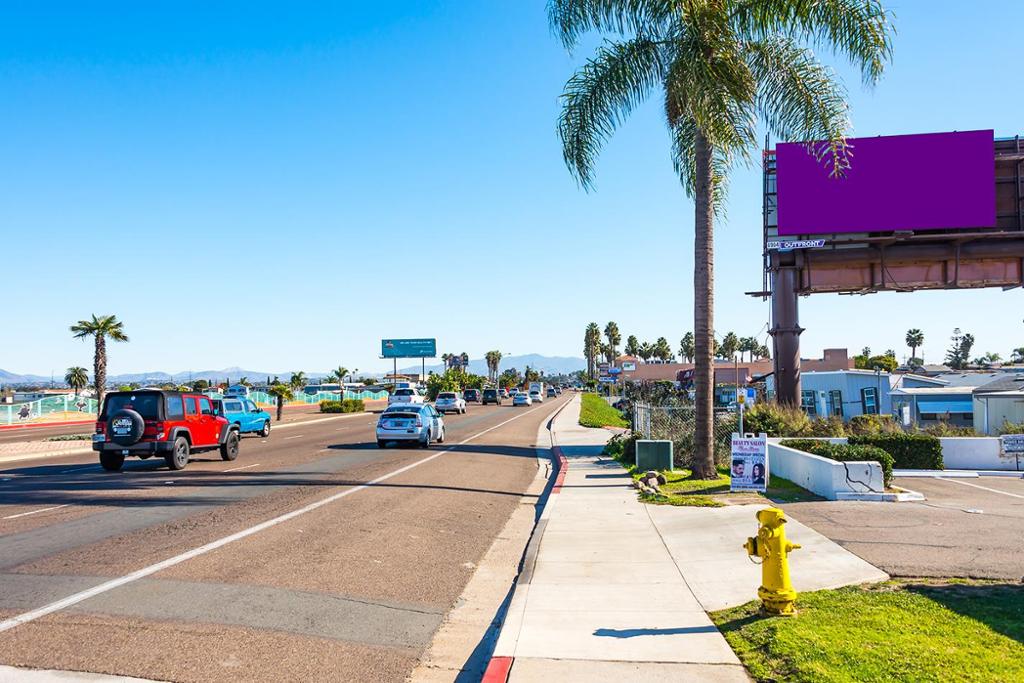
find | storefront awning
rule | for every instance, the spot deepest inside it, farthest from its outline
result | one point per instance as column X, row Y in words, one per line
column 945, row 406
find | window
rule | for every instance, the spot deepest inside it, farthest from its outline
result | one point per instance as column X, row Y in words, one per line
column 869, row 400
column 232, row 406
column 835, row 403
column 250, row 406
column 205, row 403
column 175, row 408
column 191, row 405
column 145, row 404
column 808, row 403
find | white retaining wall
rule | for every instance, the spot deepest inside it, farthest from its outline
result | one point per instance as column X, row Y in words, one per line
column 822, row 476
column 976, row 453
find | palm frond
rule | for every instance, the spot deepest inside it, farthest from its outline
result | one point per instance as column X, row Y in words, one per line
column 600, row 95
column 571, row 19
column 801, row 99
column 862, row 30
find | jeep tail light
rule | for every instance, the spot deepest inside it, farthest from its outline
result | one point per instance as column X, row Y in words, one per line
column 99, row 427
column 154, row 428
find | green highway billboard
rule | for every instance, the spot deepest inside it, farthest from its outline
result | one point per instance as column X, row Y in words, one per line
column 408, row 348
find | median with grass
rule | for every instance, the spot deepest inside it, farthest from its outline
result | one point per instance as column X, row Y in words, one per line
column 595, row 412
column 894, row 631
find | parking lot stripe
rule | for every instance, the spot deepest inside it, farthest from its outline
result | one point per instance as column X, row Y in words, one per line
column 35, row 512
column 983, row 488
column 106, row 586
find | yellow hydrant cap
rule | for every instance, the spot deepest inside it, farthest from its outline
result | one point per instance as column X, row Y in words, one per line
column 771, row 517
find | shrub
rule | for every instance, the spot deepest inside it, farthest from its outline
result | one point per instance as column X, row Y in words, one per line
column 874, row 424
column 774, row 419
column 943, row 428
column 349, row 405
column 831, row 426
column 1012, row 427
column 845, row 453
column 622, row 447
column 909, row 451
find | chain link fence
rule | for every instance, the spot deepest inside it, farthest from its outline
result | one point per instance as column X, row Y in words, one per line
column 677, row 423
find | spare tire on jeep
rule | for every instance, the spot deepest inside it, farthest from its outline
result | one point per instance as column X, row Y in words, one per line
column 125, row 427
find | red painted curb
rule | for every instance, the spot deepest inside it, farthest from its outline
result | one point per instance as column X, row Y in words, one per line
column 40, row 425
column 563, row 467
column 497, row 670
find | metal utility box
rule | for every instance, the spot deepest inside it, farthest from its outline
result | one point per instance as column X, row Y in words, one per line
column 653, row 454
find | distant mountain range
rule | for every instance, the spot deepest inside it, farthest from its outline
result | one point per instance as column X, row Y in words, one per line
column 547, row 364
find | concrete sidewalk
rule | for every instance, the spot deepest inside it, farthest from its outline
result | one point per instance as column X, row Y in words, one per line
column 617, row 589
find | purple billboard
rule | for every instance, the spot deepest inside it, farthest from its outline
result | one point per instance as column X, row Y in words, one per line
column 935, row 181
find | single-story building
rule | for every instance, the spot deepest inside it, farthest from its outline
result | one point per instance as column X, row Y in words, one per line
column 843, row 393
column 997, row 402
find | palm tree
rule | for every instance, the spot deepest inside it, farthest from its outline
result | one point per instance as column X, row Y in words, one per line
column 720, row 66
column 77, row 378
column 686, row 349
column 282, row 392
column 662, row 350
column 298, row 380
column 1017, row 355
column 244, row 381
column 646, row 351
column 611, row 332
column 339, row 373
column 465, row 359
column 632, row 345
column 100, row 329
column 730, row 343
column 914, row 339
column 591, row 347
column 493, row 359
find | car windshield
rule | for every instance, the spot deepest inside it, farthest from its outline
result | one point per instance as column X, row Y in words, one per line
column 490, row 392
column 402, row 415
column 145, row 404
column 446, row 394
column 404, row 392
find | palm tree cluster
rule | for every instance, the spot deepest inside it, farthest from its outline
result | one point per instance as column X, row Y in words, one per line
column 493, row 359
column 452, row 360
column 77, row 378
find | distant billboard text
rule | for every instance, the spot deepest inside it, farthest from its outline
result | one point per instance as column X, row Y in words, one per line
column 934, row 181
column 408, row 348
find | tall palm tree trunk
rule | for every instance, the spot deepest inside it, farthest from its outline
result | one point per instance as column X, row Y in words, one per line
column 99, row 368
column 704, row 310
column 280, row 407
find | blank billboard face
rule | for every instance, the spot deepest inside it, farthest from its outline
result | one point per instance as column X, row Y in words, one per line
column 935, row 181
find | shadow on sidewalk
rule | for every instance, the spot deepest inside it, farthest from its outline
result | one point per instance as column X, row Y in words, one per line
column 634, row 632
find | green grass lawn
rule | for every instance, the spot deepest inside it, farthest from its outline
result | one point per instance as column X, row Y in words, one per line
column 886, row 632
column 683, row 491
column 595, row 412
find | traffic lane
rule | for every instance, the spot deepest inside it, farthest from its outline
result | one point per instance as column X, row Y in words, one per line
column 39, row 433
column 383, row 601
column 157, row 519
column 75, row 483
column 959, row 531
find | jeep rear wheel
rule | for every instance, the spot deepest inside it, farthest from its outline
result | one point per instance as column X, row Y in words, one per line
column 229, row 449
column 111, row 460
column 177, row 459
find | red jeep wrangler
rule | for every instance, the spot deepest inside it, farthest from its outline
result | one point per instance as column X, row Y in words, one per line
column 154, row 422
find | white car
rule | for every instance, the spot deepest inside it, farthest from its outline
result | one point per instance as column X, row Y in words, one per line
column 521, row 399
column 405, row 395
column 410, row 423
column 536, row 396
column 449, row 402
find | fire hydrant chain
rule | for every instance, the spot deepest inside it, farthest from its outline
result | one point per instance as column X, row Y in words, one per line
column 770, row 544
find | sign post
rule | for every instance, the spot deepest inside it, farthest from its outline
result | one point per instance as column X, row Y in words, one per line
column 748, row 463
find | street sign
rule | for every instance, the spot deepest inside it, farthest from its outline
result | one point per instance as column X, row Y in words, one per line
column 747, row 396
column 603, row 367
column 408, row 348
column 748, row 463
column 790, row 245
column 1012, row 443
column 606, row 379
column 614, row 371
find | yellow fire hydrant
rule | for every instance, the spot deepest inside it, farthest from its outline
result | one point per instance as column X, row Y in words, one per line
column 770, row 544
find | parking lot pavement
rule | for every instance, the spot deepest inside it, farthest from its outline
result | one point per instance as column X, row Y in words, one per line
column 967, row 528
column 370, row 550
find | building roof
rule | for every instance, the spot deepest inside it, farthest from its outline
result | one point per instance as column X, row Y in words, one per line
column 1008, row 383
column 923, row 378
column 974, row 379
column 933, row 391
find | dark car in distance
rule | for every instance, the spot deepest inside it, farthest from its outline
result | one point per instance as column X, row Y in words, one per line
column 492, row 396
column 471, row 395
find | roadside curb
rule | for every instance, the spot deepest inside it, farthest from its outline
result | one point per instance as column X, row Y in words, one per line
column 40, row 425
column 500, row 665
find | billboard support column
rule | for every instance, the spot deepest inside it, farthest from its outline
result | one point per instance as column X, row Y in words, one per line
column 785, row 333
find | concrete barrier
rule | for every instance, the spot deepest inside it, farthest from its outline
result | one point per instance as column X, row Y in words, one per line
column 827, row 478
column 976, row 453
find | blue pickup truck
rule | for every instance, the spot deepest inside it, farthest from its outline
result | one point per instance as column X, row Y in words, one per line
column 249, row 417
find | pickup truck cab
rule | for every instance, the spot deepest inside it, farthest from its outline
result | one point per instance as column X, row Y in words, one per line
column 241, row 411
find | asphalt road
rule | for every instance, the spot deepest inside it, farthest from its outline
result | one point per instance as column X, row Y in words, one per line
column 967, row 528
column 365, row 553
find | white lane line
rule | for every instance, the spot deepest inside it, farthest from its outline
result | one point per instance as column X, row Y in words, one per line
column 340, row 428
column 297, row 436
column 983, row 488
column 243, row 467
column 76, row 598
column 36, row 512
column 80, row 467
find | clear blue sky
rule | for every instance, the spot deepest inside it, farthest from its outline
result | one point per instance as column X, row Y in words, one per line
column 240, row 185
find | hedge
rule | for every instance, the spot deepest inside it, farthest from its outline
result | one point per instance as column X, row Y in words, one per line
column 845, row 453
column 908, row 451
column 349, row 405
